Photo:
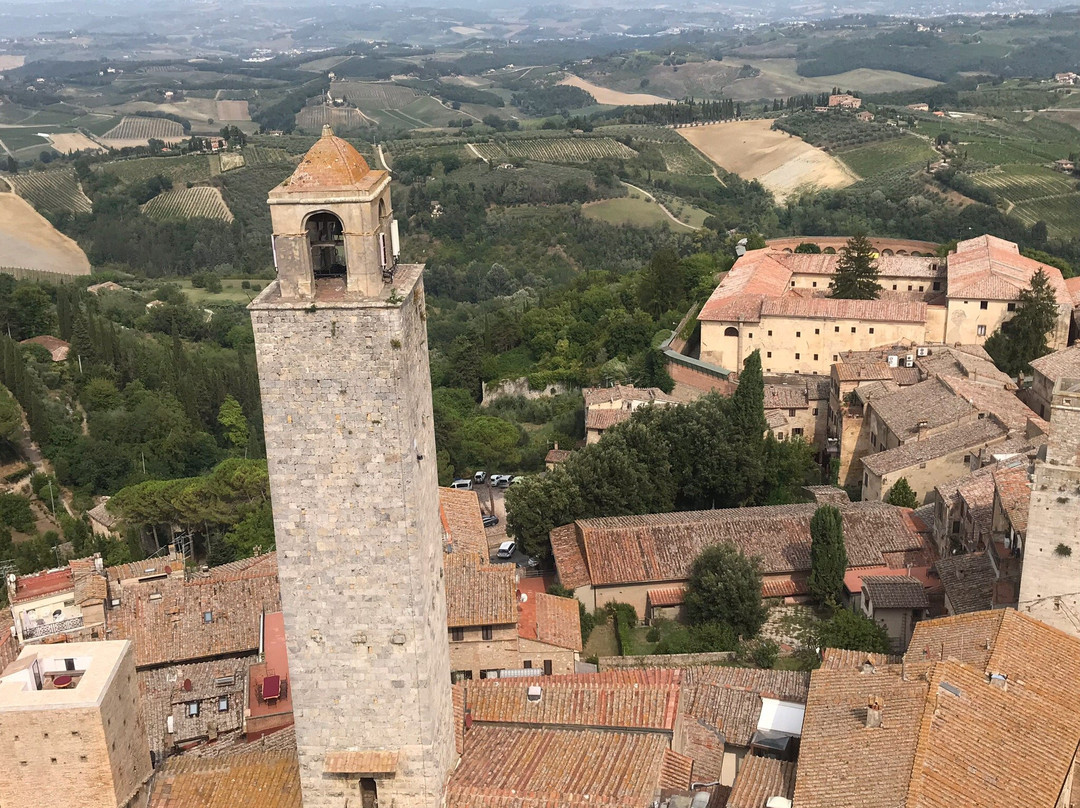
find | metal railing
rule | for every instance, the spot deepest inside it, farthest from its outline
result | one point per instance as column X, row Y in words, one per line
column 48, row 629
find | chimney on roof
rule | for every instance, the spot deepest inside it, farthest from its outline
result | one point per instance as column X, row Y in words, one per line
column 868, row 665
column 874, row 706
column 1000, row 681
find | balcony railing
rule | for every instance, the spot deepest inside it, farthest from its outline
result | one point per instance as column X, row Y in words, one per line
column 48, row 629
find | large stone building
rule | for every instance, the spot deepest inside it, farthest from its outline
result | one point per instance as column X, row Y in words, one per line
column 72, row 730
column 778, row 303
column 343, row 369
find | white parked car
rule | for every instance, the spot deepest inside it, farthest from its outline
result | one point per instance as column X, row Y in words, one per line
column 506, row 549
column 462, row 484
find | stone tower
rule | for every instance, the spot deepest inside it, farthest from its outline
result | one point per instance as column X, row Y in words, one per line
column 1050, row 581
column 343, row 368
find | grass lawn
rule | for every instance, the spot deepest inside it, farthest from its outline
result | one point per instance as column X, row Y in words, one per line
column 19, row 138
column 630, row 210
column 602, row 641
column 231, row 291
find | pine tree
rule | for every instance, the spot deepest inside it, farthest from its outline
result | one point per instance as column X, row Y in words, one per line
column 1023, row 338
column 901, row 494
column 856, row 271
column 828, row 555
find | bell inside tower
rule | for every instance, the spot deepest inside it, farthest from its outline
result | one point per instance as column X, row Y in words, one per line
column 326, row 238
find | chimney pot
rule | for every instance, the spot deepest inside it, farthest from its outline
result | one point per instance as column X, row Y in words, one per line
column 874, row 707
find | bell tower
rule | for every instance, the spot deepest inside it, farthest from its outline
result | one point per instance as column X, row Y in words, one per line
column 341, row 344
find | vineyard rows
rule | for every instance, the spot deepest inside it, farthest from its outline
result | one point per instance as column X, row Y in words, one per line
column 684, row 159
column 374, row 94
column 1021, row 183
column 1059, row 213
column 52, row 191
column 188, row 203
column 338, row 117
column 187, row 168
column 556, row 150
column 136, row 128
column 264, row 155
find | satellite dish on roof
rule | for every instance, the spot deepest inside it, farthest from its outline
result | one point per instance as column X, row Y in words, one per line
column 11, row 578
column 524, row 597
column 187, row 685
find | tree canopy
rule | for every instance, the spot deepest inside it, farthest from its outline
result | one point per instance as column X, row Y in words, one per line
column 902, row 494
column 725, row 588
column 852, row 631
column 856, row 275
column 1024, row 337
column 828, row 555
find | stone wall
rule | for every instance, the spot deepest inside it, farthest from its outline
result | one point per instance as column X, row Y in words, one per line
column 351, row 454
column 514, row 388
column 665, row 660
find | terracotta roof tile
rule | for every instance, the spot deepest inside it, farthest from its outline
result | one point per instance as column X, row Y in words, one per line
column 331, row 164
column 861, row 371
column 162, row 565
column 741, row 292
column 40, row 584
column 627, row 699
column 510, row 767
column 881, row 311
column 264, row 779
column 556, row 456
column 931, row 401
column 759, row 779
column 624, row 392
column 844, row 659
column 1004, row 404
column 164, row 695
column 1013, row 487
column 668, row 596
column 463, row 522
column 605, row 419
column 478, row 593
column 968, row 638
column 100, row 513
column 968, row 581
column 676, row 771
column 782, row 685
column 557, row 621
column 661, row 547
column 1072, row 284
column 992, row 268
column 1063, row 364
column 165, row 618
column 968, row 361
column 895, row 592
column 786, row 396
column 360, row 762
column 971, row 435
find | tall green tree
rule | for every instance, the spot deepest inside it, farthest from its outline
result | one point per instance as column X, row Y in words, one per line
column 725, row 588
column 234, row 424
column 856, row 275
column 661, row 287
column 748, row 428
column 902, row 494
column 1024, row 337
column 828, row 555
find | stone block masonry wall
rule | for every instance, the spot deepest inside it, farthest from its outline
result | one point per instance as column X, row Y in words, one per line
column 351, row 454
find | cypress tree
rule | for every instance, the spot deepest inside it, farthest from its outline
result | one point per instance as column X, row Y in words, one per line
column 828, row 555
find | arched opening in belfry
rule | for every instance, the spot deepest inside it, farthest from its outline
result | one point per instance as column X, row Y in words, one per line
column 326, row 239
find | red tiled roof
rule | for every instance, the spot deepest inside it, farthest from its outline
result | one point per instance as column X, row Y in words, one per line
column 478, row 593
column 676, row 771
column 510, row 767
column 968, row 581
column 31, row 587
column 625, row 699
column 895, row 592
column 881, row 311
column 605, row 419
column 172, row 628
column 264, row 779
column 463, row 522
column 739, row 295
column 624, row 392
column 1013, row 487
column 667, row 596
column 759, row 779
column 841, row 658
column 556, row 621
column 991, row 268
column 1063, row 364
column 861, row 371
column 661, row 547
column 1073, row 285
column 331, row 164
column 556, row 456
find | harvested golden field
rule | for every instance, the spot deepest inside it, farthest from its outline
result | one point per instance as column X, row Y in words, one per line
column 233, row 111
column 781, row 162
column 605, row 96
column 9, row 62
column 73, row 142
column 28, row 240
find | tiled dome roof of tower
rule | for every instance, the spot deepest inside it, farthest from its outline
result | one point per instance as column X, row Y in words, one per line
column 330, row 163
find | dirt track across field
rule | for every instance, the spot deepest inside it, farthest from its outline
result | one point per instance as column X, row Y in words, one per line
column 605, row 96
column 29, row 241
column 755, row 151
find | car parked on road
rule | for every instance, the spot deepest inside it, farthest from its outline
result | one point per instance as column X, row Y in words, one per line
column 506, row 549
column 480, row 477
column 462, row 484
column 490, row 520
column 499, row 480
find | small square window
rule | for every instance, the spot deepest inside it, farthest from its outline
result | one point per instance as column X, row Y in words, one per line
column 768, row 354
column 192, row 709
column 815, row 357
column 44, row 735
column 223, row 704
column 1011, row 307
column 796, row 356
column 779, row 435
column 457, row 634
column 798, row 334
column 791, row 413
column 814, row 284
column 751, row 335
column 817, row 330
column 770, row 333
column 909, row 287
column 871, row 329
column 793, row 283
column 836, row 329
column 937, row 286
column 920, row 288
column 894, row 287
column 981, row 330
column 815, row 410
column 208, row 617
column 836, row 357
column 853, row 329
column 983, row 304
column 797, row 430
column 485, row 632
column 967, row 459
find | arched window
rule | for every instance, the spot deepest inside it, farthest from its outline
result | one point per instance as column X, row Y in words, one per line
column 326, row 237
column 731, row 331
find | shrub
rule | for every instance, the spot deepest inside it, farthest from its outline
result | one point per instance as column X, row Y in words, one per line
column 700, row 639
column 653, row 634
column 763, row 652
column 1063, row 550
column 624, row 617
